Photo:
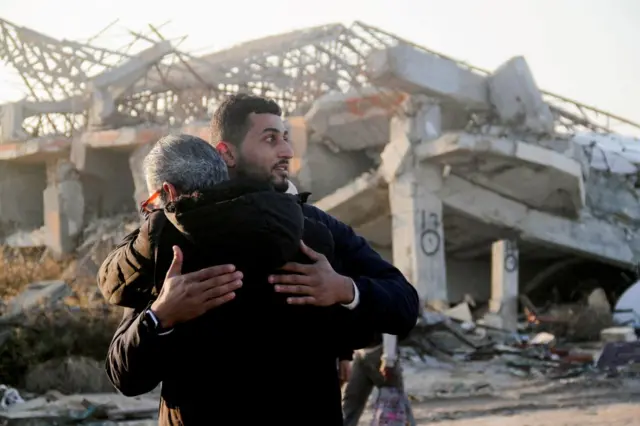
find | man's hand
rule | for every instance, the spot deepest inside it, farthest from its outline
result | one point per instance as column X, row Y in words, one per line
column 185, row 297
column 316, row 284
column 344, row 371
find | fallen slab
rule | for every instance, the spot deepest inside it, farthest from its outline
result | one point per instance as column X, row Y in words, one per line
column 536, row 176
column 412, row 70
column 517, row 99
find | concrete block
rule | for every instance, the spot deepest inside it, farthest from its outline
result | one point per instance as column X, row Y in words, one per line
column 517, row 99
column 412, row 70
column 618, row 334
column 37, row 294
column 355, row 120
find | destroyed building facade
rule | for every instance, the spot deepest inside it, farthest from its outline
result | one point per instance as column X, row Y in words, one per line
column 458, row 175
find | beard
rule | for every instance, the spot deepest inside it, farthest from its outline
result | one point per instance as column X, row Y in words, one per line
column 279, row 184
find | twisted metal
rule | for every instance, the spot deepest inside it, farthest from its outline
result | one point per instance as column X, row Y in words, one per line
column 295, row 68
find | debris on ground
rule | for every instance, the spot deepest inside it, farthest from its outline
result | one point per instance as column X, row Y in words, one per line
column 57, row 408
column 556, row 342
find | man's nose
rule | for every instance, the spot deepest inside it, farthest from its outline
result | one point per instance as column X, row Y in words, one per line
column 286, row 150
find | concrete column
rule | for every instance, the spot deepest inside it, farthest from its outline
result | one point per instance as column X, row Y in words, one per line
column 504, row 282
column 63, row 206
column 141, row 192
column 418, row 237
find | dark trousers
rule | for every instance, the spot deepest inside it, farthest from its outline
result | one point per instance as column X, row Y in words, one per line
column 365, row 375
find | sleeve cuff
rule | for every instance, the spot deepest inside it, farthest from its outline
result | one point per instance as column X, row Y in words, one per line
column 356, row 297
column 154, row 318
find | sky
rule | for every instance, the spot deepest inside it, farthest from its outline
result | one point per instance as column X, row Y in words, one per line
column 587, row 50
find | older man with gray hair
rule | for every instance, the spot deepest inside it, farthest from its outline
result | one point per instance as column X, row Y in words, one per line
column 206, row 357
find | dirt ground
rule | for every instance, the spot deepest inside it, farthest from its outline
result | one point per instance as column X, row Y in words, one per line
column 602, row 415
column 482, row 394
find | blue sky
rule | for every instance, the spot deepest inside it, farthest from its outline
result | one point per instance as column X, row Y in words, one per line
column 588, row 50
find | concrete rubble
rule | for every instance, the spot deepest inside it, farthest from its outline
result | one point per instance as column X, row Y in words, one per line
column 511, row 209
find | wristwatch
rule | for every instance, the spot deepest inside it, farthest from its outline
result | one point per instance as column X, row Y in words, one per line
column 150, row 320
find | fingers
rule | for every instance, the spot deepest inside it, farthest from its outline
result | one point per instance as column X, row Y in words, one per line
column 208, row 273
column 307, row 300
column 291, row 279
column 311, row 254
column 218, row 301
column 294, row 289
column 298, row 268
column 221, row 290
column 176, row 264
column 212, row 283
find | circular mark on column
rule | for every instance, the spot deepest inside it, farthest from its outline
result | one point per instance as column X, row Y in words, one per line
column 429, row 242
column 510, row 262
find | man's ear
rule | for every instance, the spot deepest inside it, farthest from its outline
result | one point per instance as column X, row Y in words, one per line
column 170, row 190
column 227, row 151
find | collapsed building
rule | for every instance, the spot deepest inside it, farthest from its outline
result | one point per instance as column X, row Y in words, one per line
column 460, row 176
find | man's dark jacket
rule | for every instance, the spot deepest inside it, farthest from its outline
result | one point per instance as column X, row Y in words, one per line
column 285, row 347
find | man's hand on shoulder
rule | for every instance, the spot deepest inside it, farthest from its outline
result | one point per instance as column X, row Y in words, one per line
column 185, row 297
column 315, row 284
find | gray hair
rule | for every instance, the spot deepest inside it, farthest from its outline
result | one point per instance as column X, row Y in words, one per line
column 187, row 162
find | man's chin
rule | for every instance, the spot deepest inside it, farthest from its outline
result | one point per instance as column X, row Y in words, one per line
column 280, row 184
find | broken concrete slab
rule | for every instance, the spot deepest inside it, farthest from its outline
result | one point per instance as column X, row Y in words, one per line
column 358, row 119
column 618, row 334
column 413, row 70
column 35, row 295
column 358, row 202
column 460, row 312
column 517, row 99
column 538, row 177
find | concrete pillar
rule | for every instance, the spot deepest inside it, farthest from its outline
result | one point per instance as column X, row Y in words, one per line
column 141, row 193
column 63, row 206
column 418, row 237
column 504, row 282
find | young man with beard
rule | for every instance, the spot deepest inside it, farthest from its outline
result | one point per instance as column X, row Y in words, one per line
column 252, row 138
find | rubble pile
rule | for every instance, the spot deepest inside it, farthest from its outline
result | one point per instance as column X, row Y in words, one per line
column 54, row 333
column 98, row 239
column 557, row 343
